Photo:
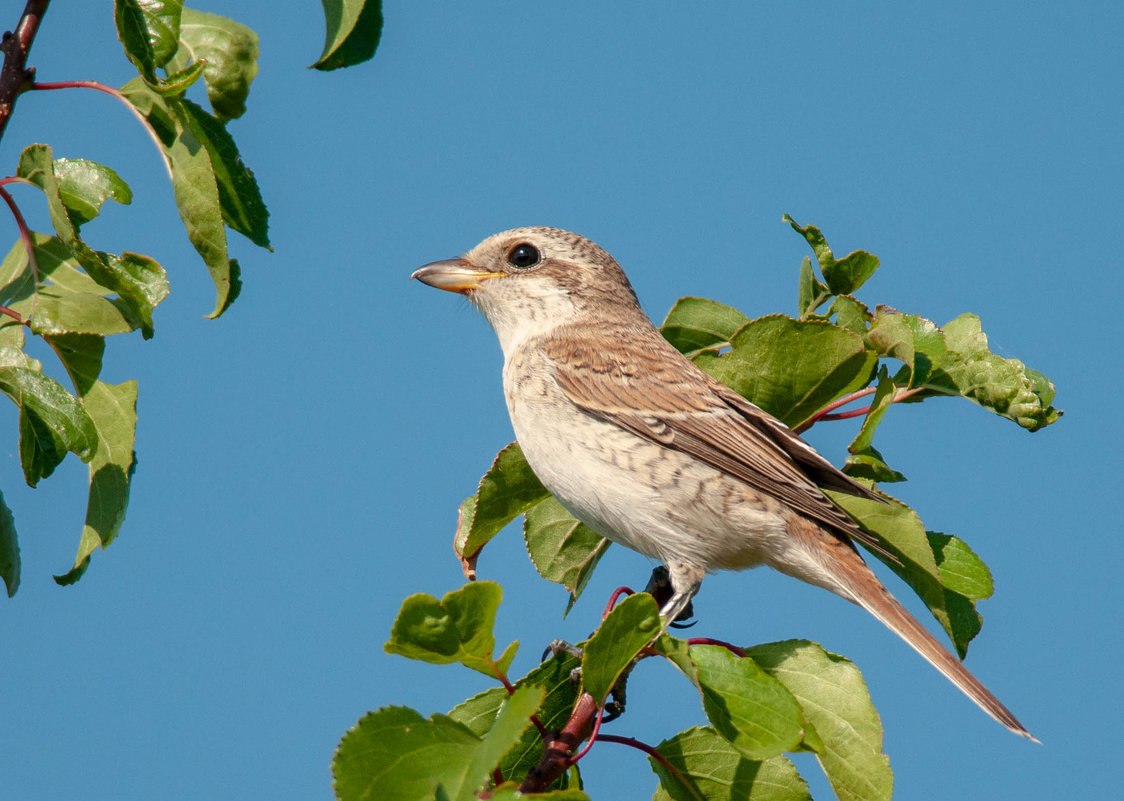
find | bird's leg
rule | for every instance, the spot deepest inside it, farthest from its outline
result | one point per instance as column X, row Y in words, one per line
column 660, row 587
column 685, row 578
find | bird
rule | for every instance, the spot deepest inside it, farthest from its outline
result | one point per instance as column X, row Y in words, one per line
column 638, row 443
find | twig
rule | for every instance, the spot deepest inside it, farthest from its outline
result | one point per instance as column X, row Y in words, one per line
column 15, row 75
column 647, row 749
column 828, row 412
column 25, row 237
column 559, row 749
column 109, row 90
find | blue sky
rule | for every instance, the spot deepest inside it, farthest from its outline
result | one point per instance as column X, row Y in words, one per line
column 301, row 460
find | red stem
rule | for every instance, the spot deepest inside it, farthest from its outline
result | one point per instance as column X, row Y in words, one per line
column 115, row 93
column 708, row 641
column 25, row 237
column 647, row 749
column 617, row 593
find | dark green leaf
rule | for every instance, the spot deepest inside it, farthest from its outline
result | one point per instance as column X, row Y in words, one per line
column 791, row 368
column 21, row 380
column 229, row 51
column 41, row 450
column 705, row 766
column 562, row 549
column 353, row 31
column 620, row 637
column 836, row 702
column 554, row 677
column 85, row 185
column 133, row 33
column 81, row 355
column 507, row 490
column 748, row 707
column 9, row 549
column 458, row 628
column 697, row 323
column 239, row 197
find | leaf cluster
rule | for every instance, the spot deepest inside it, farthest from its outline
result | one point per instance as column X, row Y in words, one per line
column 760, row 703
column 73, row 296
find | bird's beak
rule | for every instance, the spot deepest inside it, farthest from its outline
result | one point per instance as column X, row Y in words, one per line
column 453, row 275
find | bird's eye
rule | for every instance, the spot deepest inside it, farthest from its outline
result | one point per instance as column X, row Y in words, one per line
column 523, row 256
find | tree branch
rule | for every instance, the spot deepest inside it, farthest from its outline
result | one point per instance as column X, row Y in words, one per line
column 15, row 75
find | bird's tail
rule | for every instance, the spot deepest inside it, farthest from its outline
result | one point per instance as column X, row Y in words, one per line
column 875, row 598
column 838, row 567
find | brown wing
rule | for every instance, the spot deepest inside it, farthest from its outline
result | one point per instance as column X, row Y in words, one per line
column 649, row 388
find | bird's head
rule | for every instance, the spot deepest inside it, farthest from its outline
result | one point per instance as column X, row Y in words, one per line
column 527, row 281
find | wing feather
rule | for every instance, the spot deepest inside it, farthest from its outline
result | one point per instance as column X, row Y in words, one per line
column 649, row 388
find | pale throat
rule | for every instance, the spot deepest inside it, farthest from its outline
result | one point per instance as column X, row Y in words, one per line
column 518, row 313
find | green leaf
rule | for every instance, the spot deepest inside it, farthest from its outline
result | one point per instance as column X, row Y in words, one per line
column 179, row 81
column 621, row 636
column 748, row 707
column 851, row 314
column 835, row 700
column 509, row 791
column 562, row 549
column 843, row 276
column 194, row 184
column 458, row 628
column 395, row 753
column 957, row 361
column 791, row 368
column 9, row 549
column 85, row 185
column 353, row 31
column 513, row 720
column 697, row 323
column 229, row 51
column 113, row 409
column 507, row 490
column 704, row 765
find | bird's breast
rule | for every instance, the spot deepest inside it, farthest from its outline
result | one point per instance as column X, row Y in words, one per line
column 630, row 489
